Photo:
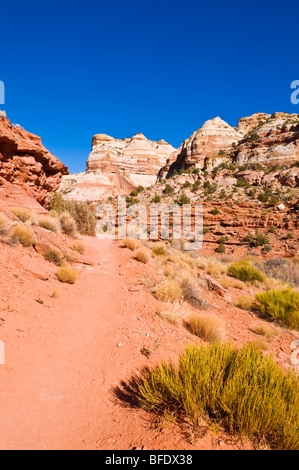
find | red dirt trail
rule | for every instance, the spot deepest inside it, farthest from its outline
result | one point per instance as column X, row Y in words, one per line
column 65, row 355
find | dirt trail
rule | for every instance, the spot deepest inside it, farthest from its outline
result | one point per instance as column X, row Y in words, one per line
column 65, row 355
column 61, row 364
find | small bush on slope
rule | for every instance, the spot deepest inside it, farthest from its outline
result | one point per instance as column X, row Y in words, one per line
column 244, row 391
column 142, row 255
column 68, row 224
column 245, row 271
column 82, row 212
column 48, row 222
column 23, row 235
column 67, row 274
column 23, row 214
column 208, row 327
column 131, row 243
column 3, row 224
column 281, row 305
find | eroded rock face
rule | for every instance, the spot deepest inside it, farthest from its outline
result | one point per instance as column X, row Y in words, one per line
column 274, row 140
column 117, row 166
column 24, row 161
column 213, row 137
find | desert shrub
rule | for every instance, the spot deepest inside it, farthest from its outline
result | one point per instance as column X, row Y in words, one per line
column 79, row 246
column 168, row 290
column 82, row 212
column 156, row 199
column 172, row 313
column 267, row 248
column 48, row 222
column 23, row 214
column 282, row 269
column 244, row 391
column 168, row 191
column 261, row 330
column 68, row 224
column 215, row 211
column 67, row 274
column 245, row 302
column 260, row 239
column 142, row 255
column 220, row 248
column 23, row 235
column 53, row 255
column 208, row 327
column 159, row 250
column 281, row 305
column 191, row 291
column 3, row 224
column 184, row 199
column 245, row 271
column 131, row 243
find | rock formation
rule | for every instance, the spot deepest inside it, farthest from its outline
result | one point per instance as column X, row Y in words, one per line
column 25, row 162
column 117, row 166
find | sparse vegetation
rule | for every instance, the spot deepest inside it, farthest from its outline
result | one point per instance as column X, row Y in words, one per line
column 79, row 246
column 67, row 274
column 159, row 250
column 142, row 255
column 68, row 224
column 246, row 272
column 82, row 212
column 131, row 243
column 245, row 302
column 3, row 224
column 23, row 235
column 23, row 214
column 48, row 222
column 222, row 383
column 168, row 290
column 53, row 256
column 207, row 326
column 281, row 305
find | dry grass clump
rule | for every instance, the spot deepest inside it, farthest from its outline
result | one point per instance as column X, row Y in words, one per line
column 281, row 305
column 67, row 274
column 159, row 250
column 3, row 224
column 243, row 390
column 172, row 313
column 142, row 255
column 266, row 332
column 212, row 266
column 53, row 256
column 48, row 222
column 246, row 272
column 79, row 246
column 82, row 213
column 131, row 243
column 68, row 224
column 23, row 214
column 23, row 235
column 230, row 282
column 281, row 269
column 209, row 327
column 245, row 302
column 168, row 290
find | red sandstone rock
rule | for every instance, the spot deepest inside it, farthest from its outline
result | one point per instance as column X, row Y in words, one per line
column 26, row 162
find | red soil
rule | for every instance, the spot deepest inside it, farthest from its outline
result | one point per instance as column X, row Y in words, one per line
column 64, row 356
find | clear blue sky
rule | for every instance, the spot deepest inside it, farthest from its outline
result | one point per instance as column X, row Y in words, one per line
column 73, row 69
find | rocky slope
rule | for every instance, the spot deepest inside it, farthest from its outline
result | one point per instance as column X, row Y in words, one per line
column 117, row 166
column 25, row 162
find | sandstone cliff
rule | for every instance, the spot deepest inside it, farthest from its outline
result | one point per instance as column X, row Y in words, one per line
column 117, row 166
column 25, row 162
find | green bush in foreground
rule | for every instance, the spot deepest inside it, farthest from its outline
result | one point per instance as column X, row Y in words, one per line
column 281, row 305
column 242, row 390
column 245, row 271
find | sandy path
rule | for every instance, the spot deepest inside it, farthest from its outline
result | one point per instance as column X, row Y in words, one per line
column 69, row 353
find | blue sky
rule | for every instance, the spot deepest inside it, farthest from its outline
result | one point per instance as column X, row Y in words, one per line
column 73, row 69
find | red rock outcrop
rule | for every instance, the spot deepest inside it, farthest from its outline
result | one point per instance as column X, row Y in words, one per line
column 24, row 161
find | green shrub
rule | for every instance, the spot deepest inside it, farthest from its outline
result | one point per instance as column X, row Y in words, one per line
column 245, row 271
column 215, row 211
column 281, row 305
column 220, row 248
column 244, row 391
column 184, row 199
column 156, row 199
